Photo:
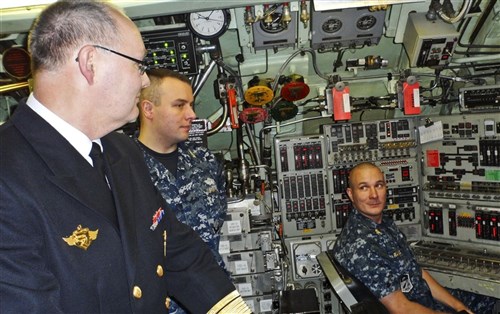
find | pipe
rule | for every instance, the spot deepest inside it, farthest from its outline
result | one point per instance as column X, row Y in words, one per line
column 12, row 87
column 476, row 59
column 459, row 16
column 255, row 152
column 204, row 78
column 243, row 170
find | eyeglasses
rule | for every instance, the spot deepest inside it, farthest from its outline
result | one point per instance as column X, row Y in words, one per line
column 142, row 65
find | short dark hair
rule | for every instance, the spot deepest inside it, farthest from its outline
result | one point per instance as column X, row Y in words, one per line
column 156, row 76
column 163, row 73
column 65, row 25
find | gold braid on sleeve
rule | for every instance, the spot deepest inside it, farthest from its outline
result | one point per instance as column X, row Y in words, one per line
column 230, row 304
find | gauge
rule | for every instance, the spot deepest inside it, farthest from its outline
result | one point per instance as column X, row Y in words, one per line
column 209, row 24
column 274, row 24
column 259, row 95
column 253, row 115
column 331, row 25
column 366, row 22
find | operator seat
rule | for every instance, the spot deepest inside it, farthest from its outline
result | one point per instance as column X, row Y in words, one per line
column 355, row 297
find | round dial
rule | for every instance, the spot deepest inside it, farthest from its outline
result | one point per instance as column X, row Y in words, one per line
column 259, row 95
column 209, row 24
column 331, row 25
column 274, row 24
column 366, row 22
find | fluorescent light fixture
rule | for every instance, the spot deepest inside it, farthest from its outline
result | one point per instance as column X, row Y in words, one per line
column 23, row 3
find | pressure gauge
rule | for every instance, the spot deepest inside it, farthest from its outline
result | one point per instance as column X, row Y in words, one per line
column 273, row 25
column 331, row 25
column 366, row 22
column 259, row 95
column 209, row 24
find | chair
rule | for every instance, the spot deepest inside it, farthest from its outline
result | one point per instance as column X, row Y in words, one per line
column 352, row 293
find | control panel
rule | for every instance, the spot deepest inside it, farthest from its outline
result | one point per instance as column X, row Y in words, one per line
column 461, row 180
column 346, row 28
column 429, row 43
column 391, row 145
column 450, row 264
column 370, row 141
column 313, row 173
column 170, row 48
column 480, row 98
column 303, row 193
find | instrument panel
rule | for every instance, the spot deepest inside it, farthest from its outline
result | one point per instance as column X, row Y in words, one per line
column 461, row 182
column 170, row 48
column 444, row 191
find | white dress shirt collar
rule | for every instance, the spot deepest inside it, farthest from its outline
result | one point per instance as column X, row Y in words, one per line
column 74, row 136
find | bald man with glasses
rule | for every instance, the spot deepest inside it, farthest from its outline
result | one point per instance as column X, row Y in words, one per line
column 82, row 228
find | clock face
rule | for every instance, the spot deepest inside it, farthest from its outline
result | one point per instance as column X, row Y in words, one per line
column 209, row 24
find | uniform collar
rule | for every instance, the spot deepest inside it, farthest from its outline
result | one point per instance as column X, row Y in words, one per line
column 74, row 136
column 368, row 222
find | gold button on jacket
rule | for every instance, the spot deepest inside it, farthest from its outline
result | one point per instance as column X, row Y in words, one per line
column 137, row 292
column 159, row 271
column 167, row 303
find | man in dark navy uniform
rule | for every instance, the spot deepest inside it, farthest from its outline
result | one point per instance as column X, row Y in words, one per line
column 373, row 249
column 74, row 239
column 187, row 174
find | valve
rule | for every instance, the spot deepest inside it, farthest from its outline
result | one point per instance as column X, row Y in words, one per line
column 249, row 16
column 286, row 17
column 304, row 13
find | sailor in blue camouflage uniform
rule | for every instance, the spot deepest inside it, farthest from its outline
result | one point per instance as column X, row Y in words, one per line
column 197, row 196
column 188, row 175
column 373, row 250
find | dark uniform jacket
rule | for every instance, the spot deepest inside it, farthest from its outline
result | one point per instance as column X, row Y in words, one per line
column 380, row 257
column 197, row 195
column 60, row 253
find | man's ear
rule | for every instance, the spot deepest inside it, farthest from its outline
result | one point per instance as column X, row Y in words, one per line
column 85, row 61
column 147, row 108
column 349, row 193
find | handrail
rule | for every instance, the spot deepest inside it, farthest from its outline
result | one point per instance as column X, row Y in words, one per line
column 12, row 87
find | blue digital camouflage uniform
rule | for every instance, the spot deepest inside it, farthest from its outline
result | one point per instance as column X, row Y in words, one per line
column 197, row 196
column 379, row 256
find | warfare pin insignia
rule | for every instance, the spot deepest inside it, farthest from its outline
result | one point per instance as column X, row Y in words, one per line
column 81, row 237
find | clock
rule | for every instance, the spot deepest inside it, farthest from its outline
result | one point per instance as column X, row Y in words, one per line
column 209, row 24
